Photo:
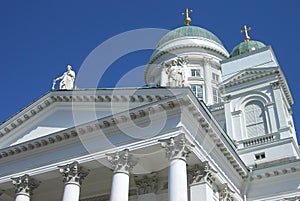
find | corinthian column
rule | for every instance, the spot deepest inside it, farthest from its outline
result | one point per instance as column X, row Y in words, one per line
column 177, row 150
column 73, row 175
column 122, row 164
column 24, row 185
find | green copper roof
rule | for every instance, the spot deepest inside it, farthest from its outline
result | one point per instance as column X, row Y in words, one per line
column 189, row 31
column 246, row 46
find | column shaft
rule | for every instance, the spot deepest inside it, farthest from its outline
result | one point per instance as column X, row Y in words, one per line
column 22, row 197
column 71, row 192
column 120, row 187
column 177, row 181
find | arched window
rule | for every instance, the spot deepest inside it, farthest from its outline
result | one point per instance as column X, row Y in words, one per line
column 255, row 119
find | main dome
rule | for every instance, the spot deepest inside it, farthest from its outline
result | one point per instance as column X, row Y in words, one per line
column 189, row 31
column 188, row 37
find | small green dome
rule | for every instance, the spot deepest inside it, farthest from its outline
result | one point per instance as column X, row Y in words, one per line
column 189, row 31
column 246, row 46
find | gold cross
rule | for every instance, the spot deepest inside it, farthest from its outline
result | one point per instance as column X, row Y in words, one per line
column 187, row 19
column 245, row 30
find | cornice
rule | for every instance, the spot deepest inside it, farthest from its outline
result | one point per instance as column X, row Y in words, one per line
column 55, row 97
column 275, row 170
column 241, row 79
column 168, row 50
column 219, row 137
column 258, row 74
column 166, row 103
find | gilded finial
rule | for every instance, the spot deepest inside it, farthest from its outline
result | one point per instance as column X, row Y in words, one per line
column 187, row 19
column 245, row 30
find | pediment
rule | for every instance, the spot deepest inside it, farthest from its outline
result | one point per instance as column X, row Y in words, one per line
column 61, row 110
column 250, row 74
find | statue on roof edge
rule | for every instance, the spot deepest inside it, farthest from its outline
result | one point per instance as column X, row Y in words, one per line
column 67, row 80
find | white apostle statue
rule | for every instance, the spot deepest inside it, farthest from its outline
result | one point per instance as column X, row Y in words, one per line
column 67, row 79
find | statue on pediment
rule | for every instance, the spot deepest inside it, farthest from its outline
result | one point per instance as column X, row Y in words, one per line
column 67, row 79
column 175, row 71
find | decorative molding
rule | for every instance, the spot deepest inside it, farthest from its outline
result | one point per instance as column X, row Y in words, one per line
column 202, row 173
column 147, row 184
column 177, row 147
column 122, row 161
column 249, row 75
column 275, row 85
column 275, row 173
column 165, row 104
column 70, row 96
column 226, row 193
column 73, row 173
column 227, row 99
column 25, row 184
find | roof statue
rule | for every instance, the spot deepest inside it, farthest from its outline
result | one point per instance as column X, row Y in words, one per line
column 245, row 30
column 187, row 19
column 67, row 79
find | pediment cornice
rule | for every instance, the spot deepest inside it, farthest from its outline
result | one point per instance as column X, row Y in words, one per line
column 252, row 74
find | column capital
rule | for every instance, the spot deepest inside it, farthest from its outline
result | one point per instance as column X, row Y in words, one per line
column 177, row 147
column 146, row 184
column 24, row 184
column 275, row 85
column 226, row 193
column 227, row 98
column 73, row 173
column 121, row 161
column 202, row 173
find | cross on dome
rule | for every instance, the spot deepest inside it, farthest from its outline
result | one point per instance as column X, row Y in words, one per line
column 245, row 30
column 187, row 19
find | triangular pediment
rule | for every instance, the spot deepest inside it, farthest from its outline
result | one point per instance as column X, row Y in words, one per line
column 61, row 110
column 250, row 74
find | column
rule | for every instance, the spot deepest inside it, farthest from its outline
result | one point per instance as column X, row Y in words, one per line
column 201, row 187
column 226, row 194
column 73, row 175
column 122, row 163
column 24, row 185
column 207, row 88
column 177, row 150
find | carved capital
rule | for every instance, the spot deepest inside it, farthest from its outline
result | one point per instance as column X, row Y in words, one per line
column 25, row 184
column 122, row 161
column 226, row 193
column 147, row 184
column 275, row 85
column 202, row 173
column 73, row 173
column 227, row 99
column 177, row 147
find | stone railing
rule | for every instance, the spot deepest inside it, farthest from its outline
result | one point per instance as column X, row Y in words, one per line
column 257, row 140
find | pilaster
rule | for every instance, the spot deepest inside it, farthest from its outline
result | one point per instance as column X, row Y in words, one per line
column 202, row 179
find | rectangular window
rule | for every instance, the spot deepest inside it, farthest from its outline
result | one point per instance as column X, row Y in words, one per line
column 198, row 91
column 216, row 95
column 260, row 156
column 215, row 77
column 195, row 72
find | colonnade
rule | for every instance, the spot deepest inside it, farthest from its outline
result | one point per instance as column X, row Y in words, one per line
column 176, row 149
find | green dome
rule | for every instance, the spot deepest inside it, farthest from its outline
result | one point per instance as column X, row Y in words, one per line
column 246, row 46
column 189, row 31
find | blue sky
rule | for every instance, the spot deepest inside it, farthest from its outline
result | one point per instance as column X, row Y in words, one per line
column 39, row 38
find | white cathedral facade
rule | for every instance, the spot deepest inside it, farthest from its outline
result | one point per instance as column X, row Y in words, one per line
column 211, row 126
